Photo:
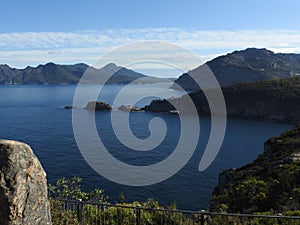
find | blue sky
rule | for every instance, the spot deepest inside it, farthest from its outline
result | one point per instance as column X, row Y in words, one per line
column 70, row 15
column 36, row 31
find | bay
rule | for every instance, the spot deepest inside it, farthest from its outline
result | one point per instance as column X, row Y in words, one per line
column 35, row 114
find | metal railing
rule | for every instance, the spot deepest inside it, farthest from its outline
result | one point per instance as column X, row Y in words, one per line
column 70, row 212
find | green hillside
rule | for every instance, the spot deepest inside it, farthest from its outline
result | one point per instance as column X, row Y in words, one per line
column 270, row 183
column 274, row 100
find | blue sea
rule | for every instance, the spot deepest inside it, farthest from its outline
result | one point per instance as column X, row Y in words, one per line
column 35, row 114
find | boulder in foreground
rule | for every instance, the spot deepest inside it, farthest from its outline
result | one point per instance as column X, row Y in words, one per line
column 23, row 186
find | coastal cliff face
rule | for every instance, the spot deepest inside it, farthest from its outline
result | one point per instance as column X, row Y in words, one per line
column 275, row 100
column 23, row 186
column 271, row 182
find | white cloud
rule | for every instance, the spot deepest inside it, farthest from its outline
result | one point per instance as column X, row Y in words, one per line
column 33, row 48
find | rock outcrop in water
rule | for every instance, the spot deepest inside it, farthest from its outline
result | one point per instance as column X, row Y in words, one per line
column 128, row 108
column 98, row 106
column 23, row 186
column 70, row 107
column 159, row 106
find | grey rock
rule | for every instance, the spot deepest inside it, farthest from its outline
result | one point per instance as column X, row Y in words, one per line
column 97, row 106
column 23, row 186
column 293, row 158
column 70, row 107
column 128, row 108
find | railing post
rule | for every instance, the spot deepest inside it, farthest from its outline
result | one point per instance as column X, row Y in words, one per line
column 202, row 217
column 279, row 219
column 79, row 211
column 138, row 215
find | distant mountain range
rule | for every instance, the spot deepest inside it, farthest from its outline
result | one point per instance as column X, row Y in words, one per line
column 245, row 66
column 52, row 73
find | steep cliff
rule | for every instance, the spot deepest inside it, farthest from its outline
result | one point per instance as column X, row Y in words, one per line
column 271, row 182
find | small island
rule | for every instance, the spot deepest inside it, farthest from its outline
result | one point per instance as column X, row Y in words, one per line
column 163, row 106
column 98, row 106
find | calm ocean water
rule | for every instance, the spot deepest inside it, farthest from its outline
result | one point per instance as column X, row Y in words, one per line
column 34, row 114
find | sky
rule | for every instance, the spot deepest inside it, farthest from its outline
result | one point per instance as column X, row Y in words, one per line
column 35, row 32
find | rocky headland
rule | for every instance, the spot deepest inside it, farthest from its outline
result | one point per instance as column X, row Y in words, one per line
column 272, row 100
column 270, row 183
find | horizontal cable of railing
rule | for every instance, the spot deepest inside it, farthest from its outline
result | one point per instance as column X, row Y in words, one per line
column 198, row 217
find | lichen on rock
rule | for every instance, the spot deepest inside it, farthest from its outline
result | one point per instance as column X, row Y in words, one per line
column 23, row 186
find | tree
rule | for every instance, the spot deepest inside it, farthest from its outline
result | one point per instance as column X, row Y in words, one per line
column 70, row 189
